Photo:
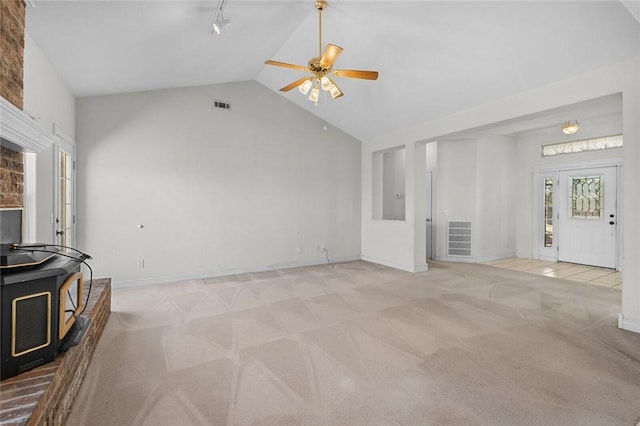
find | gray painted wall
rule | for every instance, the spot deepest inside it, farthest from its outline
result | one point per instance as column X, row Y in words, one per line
column 257, row 187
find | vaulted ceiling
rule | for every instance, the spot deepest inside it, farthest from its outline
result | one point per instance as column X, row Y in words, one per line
column 434, row 58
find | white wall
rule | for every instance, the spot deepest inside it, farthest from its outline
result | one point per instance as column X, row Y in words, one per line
column 630, row 316
column 218, row 192
column 496, row 207
column 455, row 188
column 393, row 163
column 475, row 183
column 46, row 96
column 388, row 231
column 48, row 100
column 432, row 156
column 405, row 246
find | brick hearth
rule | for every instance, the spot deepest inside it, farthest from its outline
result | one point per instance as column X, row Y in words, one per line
column 45, row 395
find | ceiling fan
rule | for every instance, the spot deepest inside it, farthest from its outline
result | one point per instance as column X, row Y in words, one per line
column 321, row 67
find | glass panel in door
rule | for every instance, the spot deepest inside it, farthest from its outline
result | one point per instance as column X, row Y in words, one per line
column 64, row 218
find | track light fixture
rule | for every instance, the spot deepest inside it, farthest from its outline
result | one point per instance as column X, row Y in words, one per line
column 219, row 22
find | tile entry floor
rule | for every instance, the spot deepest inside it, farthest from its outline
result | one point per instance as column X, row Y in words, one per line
column 569, row 271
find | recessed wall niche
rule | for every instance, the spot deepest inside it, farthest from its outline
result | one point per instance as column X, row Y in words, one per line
column 389, row 184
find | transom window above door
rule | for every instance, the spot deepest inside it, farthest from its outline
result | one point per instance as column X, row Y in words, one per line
column 606, row 142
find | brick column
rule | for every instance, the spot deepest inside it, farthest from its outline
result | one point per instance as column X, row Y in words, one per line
column 12, row 17
column 11, row 178
column 12, row 50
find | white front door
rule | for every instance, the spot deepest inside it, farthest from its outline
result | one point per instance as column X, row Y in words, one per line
column 587, row 216
column 64, row 194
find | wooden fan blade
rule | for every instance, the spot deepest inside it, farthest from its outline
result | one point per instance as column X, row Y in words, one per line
column 286, row 65
column 295, row 84
column 366, row 75
column 330, row 55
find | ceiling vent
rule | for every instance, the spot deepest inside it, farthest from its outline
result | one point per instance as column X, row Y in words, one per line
column 221, row 104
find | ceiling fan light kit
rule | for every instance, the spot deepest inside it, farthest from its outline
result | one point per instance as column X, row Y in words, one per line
column 321, row 67
column 315, row 93
column 333, row 90
column 306, row 86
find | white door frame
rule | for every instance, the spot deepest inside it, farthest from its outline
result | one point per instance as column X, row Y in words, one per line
column 63, row 142
column 430, row 219
column 539, row 252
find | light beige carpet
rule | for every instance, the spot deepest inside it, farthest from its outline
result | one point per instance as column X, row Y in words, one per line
column 360, row 344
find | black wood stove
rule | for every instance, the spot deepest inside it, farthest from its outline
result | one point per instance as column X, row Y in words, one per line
column 40, row 300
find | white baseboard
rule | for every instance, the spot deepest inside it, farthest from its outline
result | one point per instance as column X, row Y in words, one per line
column 421, row 268
column 289, row 265
column 627, row 324
column 157, row 280
column 485, row 259
column 457, row 259
column 202, row 275
column 393, row 265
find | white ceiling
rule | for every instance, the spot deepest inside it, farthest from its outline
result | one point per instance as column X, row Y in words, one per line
column 434, row 58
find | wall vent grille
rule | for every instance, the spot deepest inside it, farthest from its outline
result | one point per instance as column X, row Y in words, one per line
column 458, row 238
column 221, row 104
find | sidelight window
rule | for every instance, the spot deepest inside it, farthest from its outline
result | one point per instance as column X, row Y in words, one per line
column 548, row 212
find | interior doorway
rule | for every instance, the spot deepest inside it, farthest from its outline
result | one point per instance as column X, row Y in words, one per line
column 429, row 216
column 431, row 165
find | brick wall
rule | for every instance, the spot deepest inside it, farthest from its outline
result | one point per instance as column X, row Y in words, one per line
column 12, row 50
column 11, row 178
column 12, row 15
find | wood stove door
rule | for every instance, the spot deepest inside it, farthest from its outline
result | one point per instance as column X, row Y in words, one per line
column 64, row 194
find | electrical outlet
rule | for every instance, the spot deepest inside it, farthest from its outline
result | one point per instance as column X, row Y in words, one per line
column 140, row 264
column 318, row 249
column 300, row 250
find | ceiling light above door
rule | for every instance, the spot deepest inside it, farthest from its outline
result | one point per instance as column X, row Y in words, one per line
column 569, row 128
